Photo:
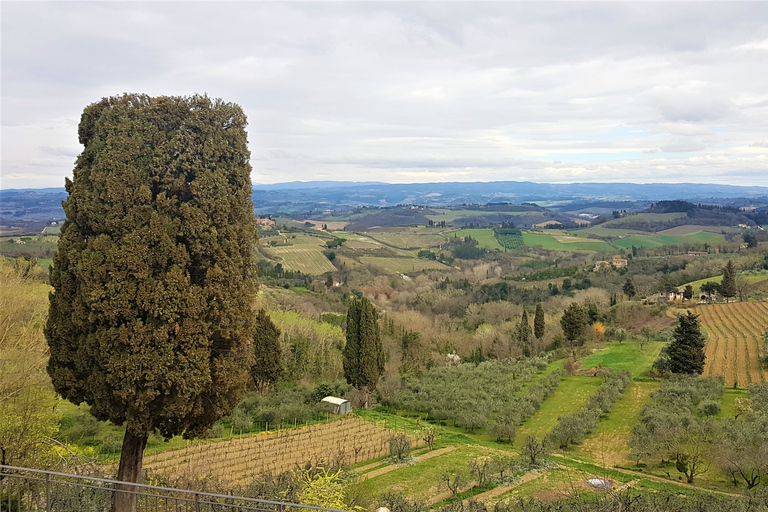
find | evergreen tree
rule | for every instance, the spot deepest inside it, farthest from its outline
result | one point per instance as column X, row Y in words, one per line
column 538, row 322
column 728, row 284
column 574, row 323
column 629, row 288
column 524, row 334
column 363, row 355
column 150, row 318
column 267, row 366
column 686, row 351
column 688, row 292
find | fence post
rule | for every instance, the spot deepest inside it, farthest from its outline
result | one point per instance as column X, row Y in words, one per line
column 48, row 492
column 197, row 502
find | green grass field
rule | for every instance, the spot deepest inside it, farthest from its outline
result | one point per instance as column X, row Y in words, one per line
column 727, row 402
column 609, row 442
column 625, row 356
column 558, row 241
column 422, row 480
column 484, row 237
column 572, row 393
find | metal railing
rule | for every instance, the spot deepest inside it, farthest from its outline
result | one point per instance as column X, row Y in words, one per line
column 34, row 490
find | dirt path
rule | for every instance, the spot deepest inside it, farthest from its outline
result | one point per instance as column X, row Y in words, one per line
column 392, row 467
column 674, row 482
column 665, row 480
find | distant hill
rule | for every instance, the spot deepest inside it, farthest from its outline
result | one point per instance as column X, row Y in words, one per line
column 29, row 210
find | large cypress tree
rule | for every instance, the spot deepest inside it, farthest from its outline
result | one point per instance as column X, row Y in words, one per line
column 538, row 322
column 686, row 351
column 266, row 351
column 728, row 284
column 363, row 355
column 150, row 320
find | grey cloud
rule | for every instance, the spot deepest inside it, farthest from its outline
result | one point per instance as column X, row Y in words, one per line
column 350, row 88
column 682, row 145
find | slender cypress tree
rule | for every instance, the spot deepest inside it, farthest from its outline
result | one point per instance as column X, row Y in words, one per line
column 524, row 334
column 538, row 322
column 150, row 319
column 728, row 284
column 686, row 351
column 363, row 355
column 266, row 367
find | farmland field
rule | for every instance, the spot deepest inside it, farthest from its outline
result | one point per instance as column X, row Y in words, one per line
column 558, row 241
column 408, row 238
column 305, row 254
column 237, row 460
column 692, row 229
column 484, row 236
column 401, row 265
column 735, row 335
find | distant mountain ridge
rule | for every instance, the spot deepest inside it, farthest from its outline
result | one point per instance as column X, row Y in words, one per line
column 31, row 209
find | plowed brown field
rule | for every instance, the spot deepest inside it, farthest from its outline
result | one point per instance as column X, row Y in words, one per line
column 735, row 338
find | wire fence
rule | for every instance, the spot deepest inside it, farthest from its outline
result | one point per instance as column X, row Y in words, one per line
column 32, row 490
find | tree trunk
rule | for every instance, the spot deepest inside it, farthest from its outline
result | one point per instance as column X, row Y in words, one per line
column 129, row 470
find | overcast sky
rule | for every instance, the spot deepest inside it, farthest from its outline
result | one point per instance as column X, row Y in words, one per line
column 410, row 92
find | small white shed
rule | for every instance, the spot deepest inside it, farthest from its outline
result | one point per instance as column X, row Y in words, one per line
column 340, row 406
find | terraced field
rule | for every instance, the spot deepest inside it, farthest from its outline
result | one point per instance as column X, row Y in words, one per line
column 735, row 335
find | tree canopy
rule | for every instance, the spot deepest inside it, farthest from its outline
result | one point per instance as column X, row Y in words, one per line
column 363, row 353
column 150, row 320
column 538, row 322
column 686, row 351
column 575, row 321
column 728, row 284
column 267, row 366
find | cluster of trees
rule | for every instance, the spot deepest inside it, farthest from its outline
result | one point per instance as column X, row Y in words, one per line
column 678, row 425
column 273, row 274
column 742, row 447
column 468, row 394
column 572, row 428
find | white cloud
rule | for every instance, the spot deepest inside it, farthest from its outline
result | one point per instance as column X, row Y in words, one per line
column 409, row 91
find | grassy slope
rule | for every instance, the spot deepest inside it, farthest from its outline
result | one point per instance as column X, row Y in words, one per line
column 625, row 356
column 572, row 393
